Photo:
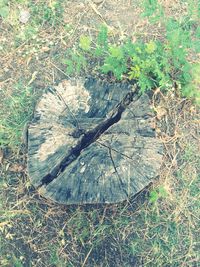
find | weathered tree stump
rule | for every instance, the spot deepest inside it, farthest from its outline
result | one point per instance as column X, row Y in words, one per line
column 92, row 142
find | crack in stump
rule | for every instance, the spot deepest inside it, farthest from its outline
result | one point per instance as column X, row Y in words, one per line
column 90, row 137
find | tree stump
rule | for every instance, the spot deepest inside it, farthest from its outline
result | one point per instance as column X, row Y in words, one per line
column 92, row 142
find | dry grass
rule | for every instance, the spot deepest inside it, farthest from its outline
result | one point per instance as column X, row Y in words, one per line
column 158, row 228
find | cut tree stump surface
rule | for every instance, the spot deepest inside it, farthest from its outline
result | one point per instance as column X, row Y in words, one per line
column 92, row 142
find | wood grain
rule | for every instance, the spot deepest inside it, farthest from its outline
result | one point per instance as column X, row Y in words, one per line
column 92, row 142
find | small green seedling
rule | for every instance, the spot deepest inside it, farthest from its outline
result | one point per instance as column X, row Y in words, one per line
column 157, row 194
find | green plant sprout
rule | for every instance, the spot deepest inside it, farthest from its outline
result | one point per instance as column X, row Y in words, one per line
column 152, row 64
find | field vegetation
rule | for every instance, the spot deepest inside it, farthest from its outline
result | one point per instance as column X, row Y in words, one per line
column 156, row 45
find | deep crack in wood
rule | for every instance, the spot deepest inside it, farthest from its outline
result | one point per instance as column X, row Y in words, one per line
column 92, row 142
column 89, row 137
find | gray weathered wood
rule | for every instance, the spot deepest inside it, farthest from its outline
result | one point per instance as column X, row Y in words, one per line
column 92, row 142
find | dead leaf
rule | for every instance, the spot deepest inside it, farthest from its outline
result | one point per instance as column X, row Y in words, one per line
column 10, row 236
column 16, row 168
column 3, row 224
column 7, row 166
column 161, row 112
column 28, row 60
column 153, row 124
column 1, row 156
column 33, row 77
column 158, row 131
column 45, row 48
column 157, row 91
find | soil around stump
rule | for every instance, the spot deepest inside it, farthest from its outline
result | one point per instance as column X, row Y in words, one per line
column 92, row 142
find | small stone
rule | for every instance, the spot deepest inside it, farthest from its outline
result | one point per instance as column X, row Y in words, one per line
column 24, row 16
column 82, row 169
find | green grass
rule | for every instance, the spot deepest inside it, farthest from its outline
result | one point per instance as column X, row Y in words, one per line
column 157, row 63
column 16, row 112
column 162, row 232
column 158, row 228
